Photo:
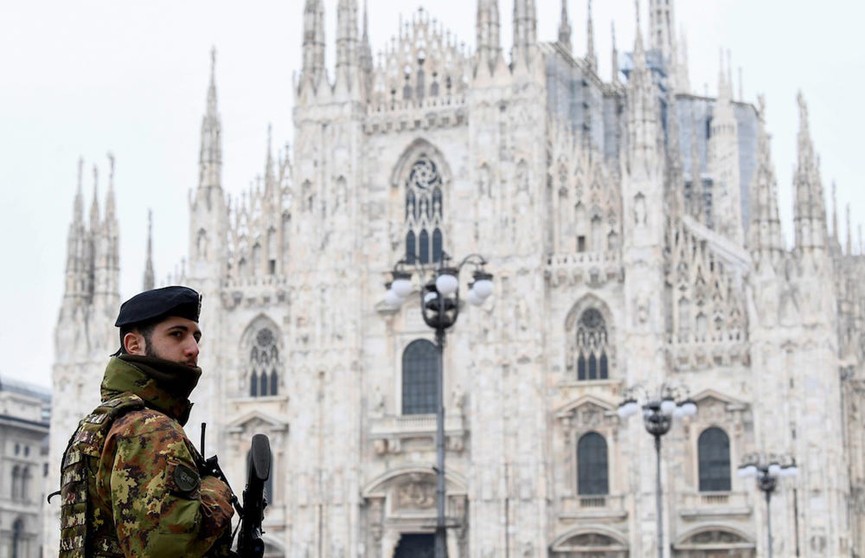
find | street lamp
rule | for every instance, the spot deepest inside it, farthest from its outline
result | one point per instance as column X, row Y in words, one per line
column 440, row 306
column 658, row 414
column 768, row 471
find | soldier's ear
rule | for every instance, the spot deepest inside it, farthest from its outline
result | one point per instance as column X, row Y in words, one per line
column 134, row 343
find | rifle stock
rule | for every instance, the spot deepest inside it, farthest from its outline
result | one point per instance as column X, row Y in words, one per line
column 249, row 543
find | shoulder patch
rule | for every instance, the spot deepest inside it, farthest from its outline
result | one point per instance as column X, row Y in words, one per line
column 186, row 480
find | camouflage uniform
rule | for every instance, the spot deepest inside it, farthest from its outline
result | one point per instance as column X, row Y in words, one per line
column 131, row 484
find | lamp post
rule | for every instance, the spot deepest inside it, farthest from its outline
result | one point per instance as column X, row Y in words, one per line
column 440, row 306
column 768, row 471
column 658, row 414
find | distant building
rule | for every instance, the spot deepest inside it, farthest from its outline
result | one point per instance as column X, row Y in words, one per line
column 25, row 413
column 634, row 233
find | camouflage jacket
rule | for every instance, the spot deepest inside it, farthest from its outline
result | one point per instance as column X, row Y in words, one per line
column 144, row 496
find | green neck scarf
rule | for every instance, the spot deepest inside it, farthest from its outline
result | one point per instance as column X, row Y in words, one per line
column 163, row 385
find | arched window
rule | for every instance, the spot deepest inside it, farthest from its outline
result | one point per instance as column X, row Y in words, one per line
column 592, row 470
column 264, row 364
column 423, row 212
column 419, row 370
column 592, row 362
column 713, row 448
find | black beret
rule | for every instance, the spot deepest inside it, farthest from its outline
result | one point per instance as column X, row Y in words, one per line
column 160, row 303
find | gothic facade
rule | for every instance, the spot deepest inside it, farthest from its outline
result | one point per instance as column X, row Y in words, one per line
column 633, row 231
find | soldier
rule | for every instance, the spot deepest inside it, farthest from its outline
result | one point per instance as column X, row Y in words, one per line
column 131, row 482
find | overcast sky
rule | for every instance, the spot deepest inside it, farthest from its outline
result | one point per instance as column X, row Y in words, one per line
column 79, row 79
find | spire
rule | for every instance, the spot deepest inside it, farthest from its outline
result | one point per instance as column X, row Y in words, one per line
column 211, row 89
column 565, row 27
column 766, row 240
column 591, row 57
column 696, row 208
column 730, row 74
column 94, row 206
column 525, row 32
column 110, row 282
column 109, row 196
column 642, row 110
column 674, row 158
column 149, row 281
column 615, row 55
column 661, row 36
column 809, row 213
column 75, row 242
column 210, row 155
column 488, row 28
column 269, row 176
column 724, row 161
column 639, row 48
column 366, row 64
column 313, row 44
column 347, row 55
column 78, row 205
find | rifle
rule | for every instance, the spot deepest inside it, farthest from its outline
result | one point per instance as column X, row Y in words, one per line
column 249, row 544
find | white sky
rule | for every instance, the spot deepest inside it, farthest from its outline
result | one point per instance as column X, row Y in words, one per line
column 87, row 77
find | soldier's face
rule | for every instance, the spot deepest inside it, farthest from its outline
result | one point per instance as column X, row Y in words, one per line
column 175, row 339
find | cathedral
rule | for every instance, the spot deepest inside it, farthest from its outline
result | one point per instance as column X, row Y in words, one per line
column 632, row 230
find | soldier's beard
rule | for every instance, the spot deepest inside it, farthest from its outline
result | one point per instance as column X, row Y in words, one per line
column 150, row 351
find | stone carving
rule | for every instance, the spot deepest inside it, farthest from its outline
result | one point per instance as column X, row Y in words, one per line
column 416, row 495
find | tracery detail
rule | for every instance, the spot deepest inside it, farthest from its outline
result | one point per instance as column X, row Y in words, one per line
column 592, row 361
column 264, row 364
column 423, row 212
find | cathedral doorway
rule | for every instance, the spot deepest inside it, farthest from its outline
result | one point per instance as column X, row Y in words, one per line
column 415, row 545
